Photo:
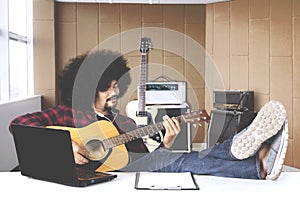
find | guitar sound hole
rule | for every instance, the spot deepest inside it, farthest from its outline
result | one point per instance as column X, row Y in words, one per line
column 94, row 145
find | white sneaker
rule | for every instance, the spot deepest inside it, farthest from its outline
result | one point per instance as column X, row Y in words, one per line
column 276, row 155
column 267, row 123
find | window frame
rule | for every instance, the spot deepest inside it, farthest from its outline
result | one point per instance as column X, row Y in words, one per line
column 5, row 37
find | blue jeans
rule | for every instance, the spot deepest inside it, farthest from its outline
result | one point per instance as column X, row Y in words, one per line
column 217, row 161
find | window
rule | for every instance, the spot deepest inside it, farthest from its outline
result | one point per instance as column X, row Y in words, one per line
column 16, row 70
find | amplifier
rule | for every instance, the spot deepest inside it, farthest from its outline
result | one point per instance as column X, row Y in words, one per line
column 225, row 124
column 160, row 93
column 183, row 140
column 233, row 100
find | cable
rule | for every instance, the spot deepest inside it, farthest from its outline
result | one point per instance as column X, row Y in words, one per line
column 232, row 117
column 163, row 77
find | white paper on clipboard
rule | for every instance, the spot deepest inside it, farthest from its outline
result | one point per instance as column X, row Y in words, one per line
column 165, row 181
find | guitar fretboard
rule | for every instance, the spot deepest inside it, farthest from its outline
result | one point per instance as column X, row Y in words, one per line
column 135, row 134
column 142, row 84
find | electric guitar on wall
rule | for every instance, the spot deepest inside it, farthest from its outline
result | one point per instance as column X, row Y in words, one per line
column 103, row 142
column 136, row 109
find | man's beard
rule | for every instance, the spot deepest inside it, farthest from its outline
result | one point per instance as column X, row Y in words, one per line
column 109, row 107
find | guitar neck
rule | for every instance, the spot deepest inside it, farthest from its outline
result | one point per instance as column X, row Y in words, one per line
column 142, row 84
column 135, row 134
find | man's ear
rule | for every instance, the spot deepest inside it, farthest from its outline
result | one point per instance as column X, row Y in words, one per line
column 96, row 96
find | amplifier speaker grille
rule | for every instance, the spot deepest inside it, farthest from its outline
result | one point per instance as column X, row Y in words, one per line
column 225, row 124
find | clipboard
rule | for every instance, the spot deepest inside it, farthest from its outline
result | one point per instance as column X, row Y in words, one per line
column 165, row 181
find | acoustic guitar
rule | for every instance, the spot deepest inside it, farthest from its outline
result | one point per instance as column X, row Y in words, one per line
column 103, row 142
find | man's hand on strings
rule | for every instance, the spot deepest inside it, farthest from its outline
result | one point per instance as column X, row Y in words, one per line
column 172, row 127
column 80, row 155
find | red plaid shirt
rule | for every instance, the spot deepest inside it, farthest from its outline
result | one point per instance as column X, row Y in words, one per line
column 65, row 116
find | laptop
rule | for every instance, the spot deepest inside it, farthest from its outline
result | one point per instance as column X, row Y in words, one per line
column 46, row 154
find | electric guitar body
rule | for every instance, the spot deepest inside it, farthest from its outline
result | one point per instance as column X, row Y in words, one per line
column 131, row 111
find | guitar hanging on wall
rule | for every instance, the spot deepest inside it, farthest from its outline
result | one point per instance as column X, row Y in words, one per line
column 136, row 109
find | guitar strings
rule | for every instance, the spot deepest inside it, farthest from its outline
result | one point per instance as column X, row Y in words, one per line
column 138, row 133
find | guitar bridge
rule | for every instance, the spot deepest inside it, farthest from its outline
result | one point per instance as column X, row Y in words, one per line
column 141, row 113
column 141, row 118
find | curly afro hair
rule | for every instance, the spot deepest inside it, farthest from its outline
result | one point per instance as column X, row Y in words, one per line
column 86, row 74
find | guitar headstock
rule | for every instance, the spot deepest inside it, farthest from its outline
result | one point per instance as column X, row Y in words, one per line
column 196, row 117
column 145, row 45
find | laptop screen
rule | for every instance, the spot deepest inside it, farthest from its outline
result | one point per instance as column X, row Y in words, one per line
column 45, row 153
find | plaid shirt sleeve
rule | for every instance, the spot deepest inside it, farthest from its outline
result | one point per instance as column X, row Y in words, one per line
column 64, row 116
column 60, row 115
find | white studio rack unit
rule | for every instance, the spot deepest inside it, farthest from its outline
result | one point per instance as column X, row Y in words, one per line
column 165, row 93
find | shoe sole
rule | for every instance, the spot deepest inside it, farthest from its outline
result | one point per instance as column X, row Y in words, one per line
column 266, row 124
column 279, row 160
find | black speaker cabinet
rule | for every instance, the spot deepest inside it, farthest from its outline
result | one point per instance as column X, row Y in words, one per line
column 182, row 142
column 234, row 100
column 225, row 124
